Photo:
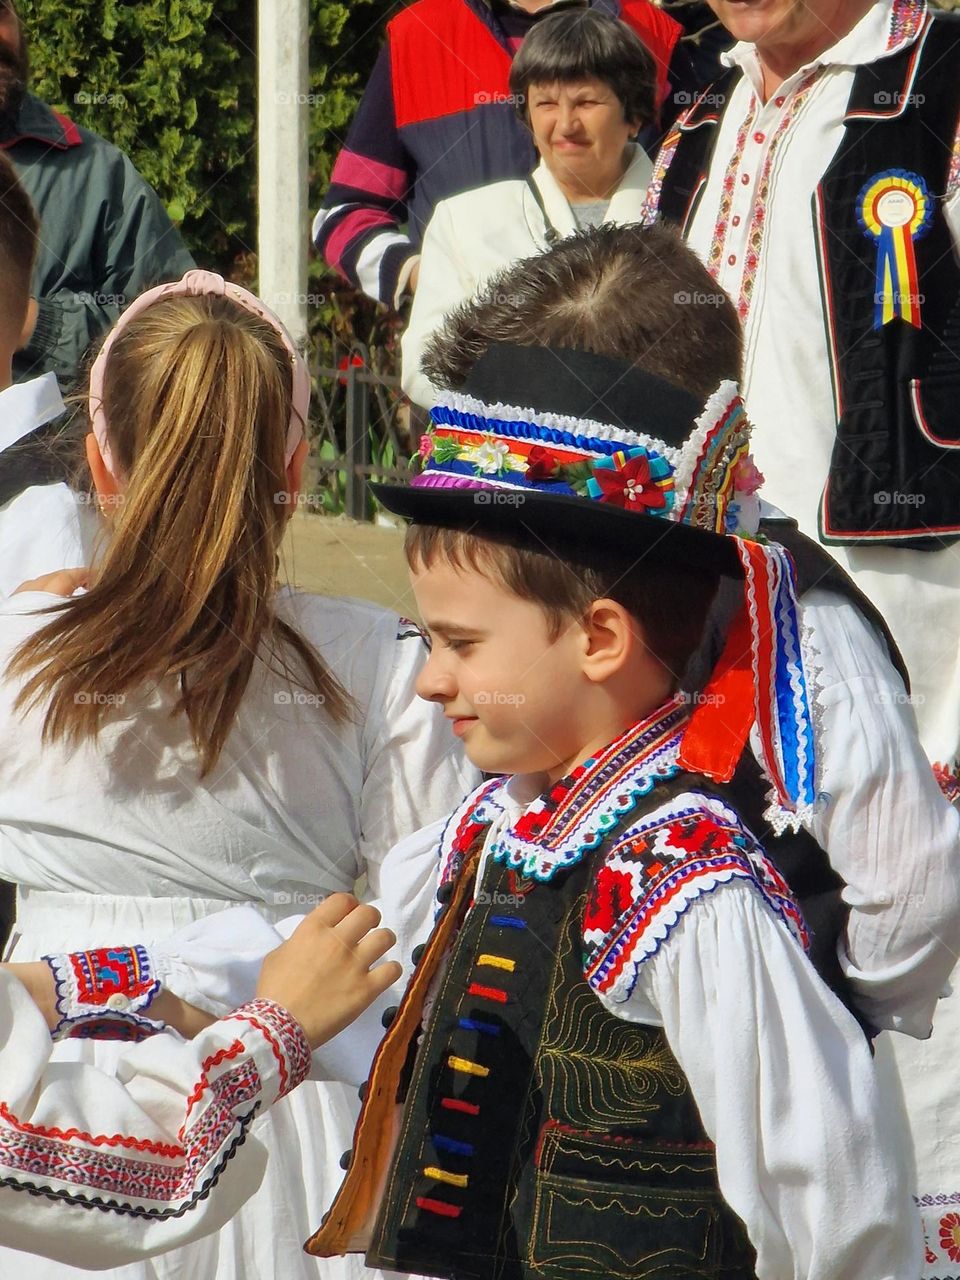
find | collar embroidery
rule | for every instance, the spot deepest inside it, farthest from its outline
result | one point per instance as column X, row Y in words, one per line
column 581, row 810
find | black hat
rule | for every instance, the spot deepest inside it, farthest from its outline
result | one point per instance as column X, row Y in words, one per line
column 574, row 451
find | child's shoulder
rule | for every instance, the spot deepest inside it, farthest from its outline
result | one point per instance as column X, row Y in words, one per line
column 332, row 620
column 656, row 869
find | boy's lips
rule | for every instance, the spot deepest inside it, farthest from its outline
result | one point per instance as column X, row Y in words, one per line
column 460, row 724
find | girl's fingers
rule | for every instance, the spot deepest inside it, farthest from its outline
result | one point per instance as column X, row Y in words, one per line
column 334, row 909
column 375, row 945
column 352, row 928
column 383, row 976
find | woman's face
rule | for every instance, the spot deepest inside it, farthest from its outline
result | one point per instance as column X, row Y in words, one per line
column 581, row 133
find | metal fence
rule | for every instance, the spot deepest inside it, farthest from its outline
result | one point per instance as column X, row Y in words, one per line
column 362, row 427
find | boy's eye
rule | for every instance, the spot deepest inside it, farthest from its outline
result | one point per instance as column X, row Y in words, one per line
column 459, row 644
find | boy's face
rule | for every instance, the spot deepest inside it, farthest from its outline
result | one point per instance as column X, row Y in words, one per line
column 510, row 690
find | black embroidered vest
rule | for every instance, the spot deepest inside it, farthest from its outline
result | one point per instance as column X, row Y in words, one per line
column 542, row 1136
column 895, row 472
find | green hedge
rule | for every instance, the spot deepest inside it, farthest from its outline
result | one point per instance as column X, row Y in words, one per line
column 173, row 84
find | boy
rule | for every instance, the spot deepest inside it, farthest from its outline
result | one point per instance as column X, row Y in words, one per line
column 43, row 527
column 619, row 292
column 628, row 1066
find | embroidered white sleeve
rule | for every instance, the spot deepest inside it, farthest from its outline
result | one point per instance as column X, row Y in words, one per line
column 101, row 1169
column 807, row 1155
column 880, row 802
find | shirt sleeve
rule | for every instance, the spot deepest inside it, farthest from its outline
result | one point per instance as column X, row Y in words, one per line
column 785, row 1086
column 443, row 283
column 885, row 825
column 358, row 228
column 99, row 1169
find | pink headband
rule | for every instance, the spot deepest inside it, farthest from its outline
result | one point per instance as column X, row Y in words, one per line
column 196, row 284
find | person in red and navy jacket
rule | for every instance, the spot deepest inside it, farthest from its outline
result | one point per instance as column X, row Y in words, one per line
column 437, row 119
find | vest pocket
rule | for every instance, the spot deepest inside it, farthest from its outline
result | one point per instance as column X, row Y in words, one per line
column 935, row 404
column 624, row 1209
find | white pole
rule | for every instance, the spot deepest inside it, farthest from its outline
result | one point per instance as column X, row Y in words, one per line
column 284, row 227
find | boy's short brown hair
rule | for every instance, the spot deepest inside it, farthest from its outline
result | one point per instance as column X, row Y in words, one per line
column 632, row 293
column 670, row 601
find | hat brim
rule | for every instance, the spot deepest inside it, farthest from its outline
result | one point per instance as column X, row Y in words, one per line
column 558, row 523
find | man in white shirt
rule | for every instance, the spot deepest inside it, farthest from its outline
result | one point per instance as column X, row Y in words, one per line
column 819, row 180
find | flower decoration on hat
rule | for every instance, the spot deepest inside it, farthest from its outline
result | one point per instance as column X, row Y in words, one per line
column 633, row 477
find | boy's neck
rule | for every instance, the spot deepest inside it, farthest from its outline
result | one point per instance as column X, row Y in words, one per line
column 607, row 733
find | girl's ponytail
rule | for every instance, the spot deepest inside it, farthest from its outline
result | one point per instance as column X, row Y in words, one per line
column 197, row 397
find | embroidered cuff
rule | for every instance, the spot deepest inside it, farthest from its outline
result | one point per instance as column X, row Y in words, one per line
column 289, row 1052
column 104, row 994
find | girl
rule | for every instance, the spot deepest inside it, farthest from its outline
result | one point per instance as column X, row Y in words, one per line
column 185, row 736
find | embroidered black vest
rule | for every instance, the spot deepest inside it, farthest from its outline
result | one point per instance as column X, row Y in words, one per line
column 542, row 1136
column 895, row 472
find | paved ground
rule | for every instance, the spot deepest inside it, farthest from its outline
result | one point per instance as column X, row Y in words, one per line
column 342, row 557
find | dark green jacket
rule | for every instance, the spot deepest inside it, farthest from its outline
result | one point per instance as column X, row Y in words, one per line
column 104, row 238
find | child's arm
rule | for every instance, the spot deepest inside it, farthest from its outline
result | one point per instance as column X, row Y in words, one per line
column 784, row 1081
column 99, row 1169
column 885, row 826
column 807, row 1155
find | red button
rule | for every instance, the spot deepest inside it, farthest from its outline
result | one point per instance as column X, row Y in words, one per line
column 745, row 178
column 735, row 219
column 779, row 101
column 732, row 259
column 759, row 137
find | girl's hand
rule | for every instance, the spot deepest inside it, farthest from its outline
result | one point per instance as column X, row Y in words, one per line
column 322, row 974
column 63, row 582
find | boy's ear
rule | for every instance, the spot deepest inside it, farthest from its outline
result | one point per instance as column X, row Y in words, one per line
column 612, row 637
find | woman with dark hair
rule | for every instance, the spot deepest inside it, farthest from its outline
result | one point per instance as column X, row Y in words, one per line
column 584, row 85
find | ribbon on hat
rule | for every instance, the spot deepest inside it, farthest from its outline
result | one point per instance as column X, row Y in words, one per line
column 761, row 678
column 196, row 284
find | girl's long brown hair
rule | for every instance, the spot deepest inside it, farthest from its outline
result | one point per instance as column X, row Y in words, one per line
column 197, row 395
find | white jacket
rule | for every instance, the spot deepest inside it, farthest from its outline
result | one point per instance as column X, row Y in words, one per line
column 475, row 234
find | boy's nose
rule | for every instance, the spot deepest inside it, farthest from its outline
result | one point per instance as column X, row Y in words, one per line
column 433, row 683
